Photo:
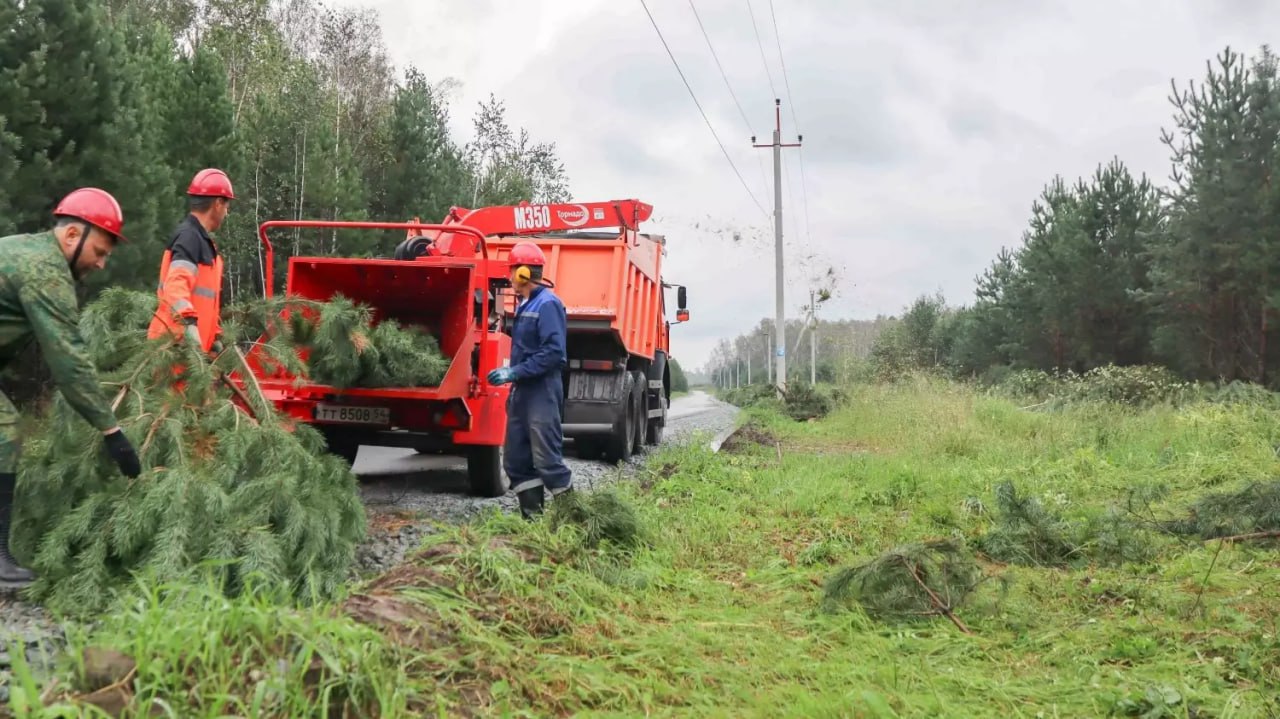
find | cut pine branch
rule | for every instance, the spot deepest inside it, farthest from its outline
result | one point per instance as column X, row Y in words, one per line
column 243, row 503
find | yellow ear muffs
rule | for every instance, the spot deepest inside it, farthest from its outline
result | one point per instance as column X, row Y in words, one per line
column 523, row 273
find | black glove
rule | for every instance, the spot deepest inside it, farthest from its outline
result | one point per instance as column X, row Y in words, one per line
column 122, row 453
column 217, row 346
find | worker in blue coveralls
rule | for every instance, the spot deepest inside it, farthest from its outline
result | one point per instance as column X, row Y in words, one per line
column 533, row 456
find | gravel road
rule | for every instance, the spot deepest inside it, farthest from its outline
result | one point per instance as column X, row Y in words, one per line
column 406, row 495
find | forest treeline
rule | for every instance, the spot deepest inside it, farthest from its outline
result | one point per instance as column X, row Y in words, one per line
column 297, row 101
column 1117, row 269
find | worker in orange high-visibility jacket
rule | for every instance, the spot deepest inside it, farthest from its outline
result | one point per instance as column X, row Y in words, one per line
column 190, row 288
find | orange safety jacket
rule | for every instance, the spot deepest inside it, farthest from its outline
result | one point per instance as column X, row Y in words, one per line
column 190, row 285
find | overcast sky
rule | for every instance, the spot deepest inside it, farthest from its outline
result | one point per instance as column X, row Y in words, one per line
column 928, row 130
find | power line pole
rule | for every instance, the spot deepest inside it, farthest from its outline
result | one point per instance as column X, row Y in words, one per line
column 768, row 352
column 780, row 311
column 813, row 342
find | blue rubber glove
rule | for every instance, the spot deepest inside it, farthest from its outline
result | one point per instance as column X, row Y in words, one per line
column 502, row 375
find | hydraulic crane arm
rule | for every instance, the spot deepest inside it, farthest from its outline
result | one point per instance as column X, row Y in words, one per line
column 528, row 219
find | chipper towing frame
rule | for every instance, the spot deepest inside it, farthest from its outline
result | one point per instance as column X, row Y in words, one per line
column 453, row 296
column 609, row 276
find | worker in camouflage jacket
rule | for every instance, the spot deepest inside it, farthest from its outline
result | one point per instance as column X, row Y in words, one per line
column 38, row 273
column 533, row 455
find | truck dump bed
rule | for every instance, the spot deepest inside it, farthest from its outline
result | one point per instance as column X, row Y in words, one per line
column 610, row 284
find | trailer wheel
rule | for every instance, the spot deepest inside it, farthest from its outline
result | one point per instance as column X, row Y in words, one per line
column 341, row 445
column 622, row 438
column 484, row 471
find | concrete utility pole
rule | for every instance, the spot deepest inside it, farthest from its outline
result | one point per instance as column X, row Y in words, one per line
column 780, row 316
column 768, row 362
column 813, row 341
column 748, row 368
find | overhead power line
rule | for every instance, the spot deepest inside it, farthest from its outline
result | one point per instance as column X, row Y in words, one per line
column 760, row 44
column 745, row 121
column 791, row 105
column 700, row 110
column 720, row 67
column 786, row 82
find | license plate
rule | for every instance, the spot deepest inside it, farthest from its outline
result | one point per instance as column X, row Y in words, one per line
column 351, row 414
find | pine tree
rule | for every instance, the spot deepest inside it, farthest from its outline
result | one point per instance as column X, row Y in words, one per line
column 68, row 74
column 1214, row 267
column 8, row 165
column 422, row 173
column 9, row 142
column 74, row 101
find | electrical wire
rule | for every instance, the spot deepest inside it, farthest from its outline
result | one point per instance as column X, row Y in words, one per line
column 791, row 105
column 745, row 121
column 720, row 67
column 700, row 110
column 760, row 44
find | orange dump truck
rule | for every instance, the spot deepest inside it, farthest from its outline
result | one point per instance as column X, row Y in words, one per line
column 609, row 276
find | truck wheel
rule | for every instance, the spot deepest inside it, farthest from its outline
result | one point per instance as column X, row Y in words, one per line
column 623, row 436
column 588, row 448
column 656, row 425
column 484, row 471
column 642, row 414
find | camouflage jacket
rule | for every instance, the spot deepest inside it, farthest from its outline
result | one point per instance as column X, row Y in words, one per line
column 38, row 301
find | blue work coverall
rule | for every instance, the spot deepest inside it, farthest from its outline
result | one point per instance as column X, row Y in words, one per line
column 534, row 452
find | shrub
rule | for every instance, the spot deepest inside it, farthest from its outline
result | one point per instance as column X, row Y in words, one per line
column 1138, row 385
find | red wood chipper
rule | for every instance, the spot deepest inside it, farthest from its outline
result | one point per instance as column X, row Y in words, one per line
column 451, row 296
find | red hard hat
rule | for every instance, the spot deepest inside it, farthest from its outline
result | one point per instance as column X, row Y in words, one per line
column 97, row 207
column 211, row 183
column 527, row 253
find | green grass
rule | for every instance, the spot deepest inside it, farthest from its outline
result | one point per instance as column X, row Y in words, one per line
column 720, row 613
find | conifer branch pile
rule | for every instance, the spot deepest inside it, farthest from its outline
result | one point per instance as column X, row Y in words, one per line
column 914, row 580
column 243, row 495
column 343, row 346
column 1252, row 508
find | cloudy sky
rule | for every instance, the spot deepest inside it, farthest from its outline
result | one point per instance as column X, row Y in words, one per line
column 928, row 130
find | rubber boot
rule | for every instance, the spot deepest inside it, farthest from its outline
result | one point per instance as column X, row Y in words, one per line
column 530, row 502
column 12, row 576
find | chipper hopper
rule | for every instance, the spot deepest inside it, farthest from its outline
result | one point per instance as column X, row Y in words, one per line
column 452, row 297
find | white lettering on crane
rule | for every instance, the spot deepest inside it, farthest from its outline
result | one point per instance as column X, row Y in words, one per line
column 532, row 217
column 576, row 217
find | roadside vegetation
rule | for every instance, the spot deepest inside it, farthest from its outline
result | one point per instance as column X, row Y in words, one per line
column 926, row 549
